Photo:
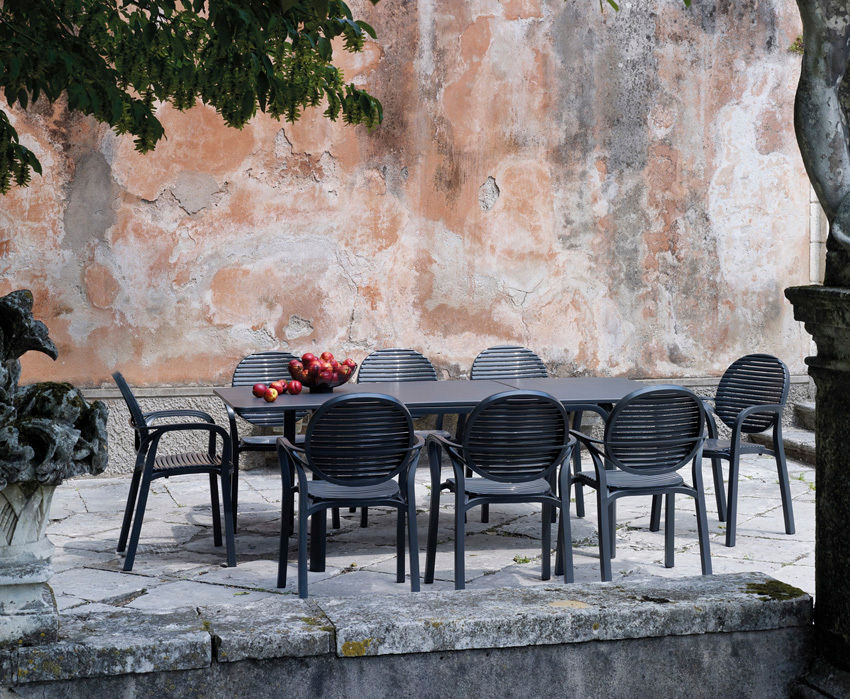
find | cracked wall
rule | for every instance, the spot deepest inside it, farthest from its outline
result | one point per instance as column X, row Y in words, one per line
column 620, row 192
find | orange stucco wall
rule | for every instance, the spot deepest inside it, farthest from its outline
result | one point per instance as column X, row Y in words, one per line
column 621, row 192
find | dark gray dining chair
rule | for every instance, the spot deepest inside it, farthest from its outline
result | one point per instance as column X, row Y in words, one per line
column 397, row 364
column 750, row 399
column 649, row 436
column 362, row 451
column 260, row 367
column 151, row 464
column 515, row 443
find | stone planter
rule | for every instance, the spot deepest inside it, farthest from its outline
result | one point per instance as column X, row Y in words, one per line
column 28, row 611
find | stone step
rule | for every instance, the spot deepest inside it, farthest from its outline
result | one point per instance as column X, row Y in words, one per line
column 799, row 443
column 804, row 414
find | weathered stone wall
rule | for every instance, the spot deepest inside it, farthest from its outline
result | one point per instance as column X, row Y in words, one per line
column 620, row 192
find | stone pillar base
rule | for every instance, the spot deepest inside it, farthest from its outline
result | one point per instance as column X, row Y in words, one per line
column 826, row 313
column 28, row 612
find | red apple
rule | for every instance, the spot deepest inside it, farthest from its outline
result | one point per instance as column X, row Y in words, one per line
column 350, row 363
column 298, row 372
column 279, row 386
column 294, row 387
column 326, row 375
column 335, row 365
column 259, row 389
column 335, row 377
column 344, row 370
column 270, row 395
column 327, row 356
column 295, row 364
column 314, row 370
column 308, row 357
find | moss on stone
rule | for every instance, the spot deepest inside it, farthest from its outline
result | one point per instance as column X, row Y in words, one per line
column 774, row 590
column 356, row 649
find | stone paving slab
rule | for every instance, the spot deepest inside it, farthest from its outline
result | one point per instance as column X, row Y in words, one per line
column 502, row 618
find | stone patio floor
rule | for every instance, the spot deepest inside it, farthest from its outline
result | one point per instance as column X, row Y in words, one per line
column 178, row 566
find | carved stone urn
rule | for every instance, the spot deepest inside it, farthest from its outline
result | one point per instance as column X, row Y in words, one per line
column 47, row 433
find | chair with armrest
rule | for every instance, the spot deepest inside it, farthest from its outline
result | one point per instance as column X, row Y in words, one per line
column 649, row 436
column 151, row 464
column 516, row 443
column 362, row 451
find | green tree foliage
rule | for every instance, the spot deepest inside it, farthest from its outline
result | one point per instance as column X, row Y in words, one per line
column 116, row 59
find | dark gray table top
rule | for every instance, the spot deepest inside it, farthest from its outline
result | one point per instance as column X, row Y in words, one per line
column 445, row 396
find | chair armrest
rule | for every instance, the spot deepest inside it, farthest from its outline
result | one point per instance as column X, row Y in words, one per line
column 156, row 433
column 442, row 441
column 158, row 414
column 770, row 408
column 586, row 439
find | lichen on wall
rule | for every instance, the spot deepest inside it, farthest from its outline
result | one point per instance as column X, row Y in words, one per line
column 621, row 192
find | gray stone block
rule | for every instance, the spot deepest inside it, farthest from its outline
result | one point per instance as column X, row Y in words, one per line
column 275, row 628
column 503, row 618
column 117, row 644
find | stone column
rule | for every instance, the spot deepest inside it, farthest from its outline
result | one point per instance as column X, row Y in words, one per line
column 826, row 314
column 28, row 611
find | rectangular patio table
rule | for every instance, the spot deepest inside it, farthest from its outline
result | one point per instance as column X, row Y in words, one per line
column 576, row 394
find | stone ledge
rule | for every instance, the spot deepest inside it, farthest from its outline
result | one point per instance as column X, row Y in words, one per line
column 130, row 642
column 417, row 623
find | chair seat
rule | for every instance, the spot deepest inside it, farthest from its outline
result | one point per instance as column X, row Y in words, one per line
column 188, row 461
column 623, row 480
column 723, row 447
column 264, row 441
column 484, row 486
column 323, row 490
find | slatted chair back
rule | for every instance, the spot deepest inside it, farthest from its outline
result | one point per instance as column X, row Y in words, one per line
column 396, row 364
column 654, row 430
column 516, row 436
column 359, row 439
column 508, row 362
column 136, row 415
column 262, row 367
column 756, row 379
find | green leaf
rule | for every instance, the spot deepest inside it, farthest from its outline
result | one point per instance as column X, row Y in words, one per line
column 325, row 50
column 367, row 28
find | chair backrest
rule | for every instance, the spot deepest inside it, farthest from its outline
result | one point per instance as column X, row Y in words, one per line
column 755, row 379
column 656, row 429
column 133, row 406
column 516, row 436
column 359, row 439
column 396, row 364
column 508, row 362
column 262, row 367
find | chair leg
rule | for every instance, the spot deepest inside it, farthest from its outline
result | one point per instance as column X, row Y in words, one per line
column 784, row 485
column 485, row 513
column 364, row 517
column 216, row 508
column 612, row 523
column 413, row 542
column 128, row 510
column 352, row 509
column 702, row 531
column 669, row 528
column 318, row 532
column 546, row 550
column 335, row 523
column 604, row 534
column 142, row 502
column 576, row 458
column 302, row 545
column 655, row 516
column 732, row 499
column 460, row 532
column 226, row 496
column 433, row 513
column 234, row 485
column 283, row 544
column 399, row 546
column 719, row 490
column 565, row 545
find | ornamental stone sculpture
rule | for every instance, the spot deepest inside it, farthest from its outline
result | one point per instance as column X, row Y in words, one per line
column 47, row 433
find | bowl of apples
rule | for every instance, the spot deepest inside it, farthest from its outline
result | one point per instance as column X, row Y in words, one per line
column 323, row 373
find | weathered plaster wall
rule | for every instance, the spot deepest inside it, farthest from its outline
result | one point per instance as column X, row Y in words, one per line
column 620, row 192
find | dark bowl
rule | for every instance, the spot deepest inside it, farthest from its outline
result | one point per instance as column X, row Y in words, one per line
column 318, row 385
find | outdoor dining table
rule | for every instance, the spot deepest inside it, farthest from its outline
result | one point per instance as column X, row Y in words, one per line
column 577, row 394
